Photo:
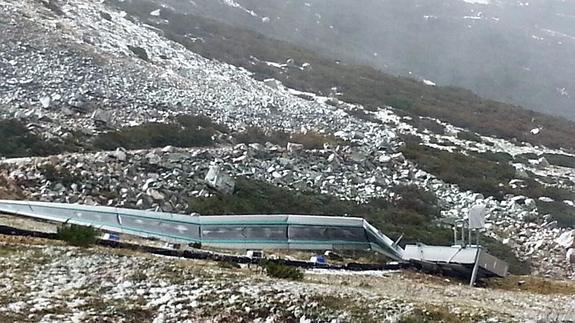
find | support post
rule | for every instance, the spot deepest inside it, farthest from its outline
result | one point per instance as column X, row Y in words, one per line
column 477, row 233
column 475, row 268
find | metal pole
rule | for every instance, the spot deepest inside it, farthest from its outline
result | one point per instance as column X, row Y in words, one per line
column 469, row 234
column 462, row 235
column 475, row 268
column 477, row 232
column 455, row 234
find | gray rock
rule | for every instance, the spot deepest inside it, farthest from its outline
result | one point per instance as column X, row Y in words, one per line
column 156, row 195
column 120, row 154
column 220, row 181
column 153, row 158
column 293, row 147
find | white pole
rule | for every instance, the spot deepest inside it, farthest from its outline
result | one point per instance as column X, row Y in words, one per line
column 475, row 268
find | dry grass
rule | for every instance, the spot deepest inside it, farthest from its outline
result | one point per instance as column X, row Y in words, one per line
column 430, row 314
column 423, row 278
column 315, row 140
column 533, row 284
column 19, row 241
column 9, row 190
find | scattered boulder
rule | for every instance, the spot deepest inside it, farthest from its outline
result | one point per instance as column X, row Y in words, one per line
column 540, row 163
column 120, row 154
column 220, row 181
column 567, row 239
column 105, row 15
column 294, row 148
column 139, row 52
column 155, row 194
column 45, row 101
column 273, row 83
column 102, row 117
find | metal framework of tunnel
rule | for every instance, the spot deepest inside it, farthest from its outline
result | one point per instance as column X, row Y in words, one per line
column 290, row 232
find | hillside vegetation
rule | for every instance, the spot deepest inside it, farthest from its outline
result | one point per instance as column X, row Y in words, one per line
column 358, row 84
column 19, row 141
column 490, row 174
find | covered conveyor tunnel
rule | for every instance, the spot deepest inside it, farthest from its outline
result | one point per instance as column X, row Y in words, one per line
column 289, row 232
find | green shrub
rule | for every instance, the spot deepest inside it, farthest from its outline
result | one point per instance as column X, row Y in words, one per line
column 18, row 141
column 362, row 115
column 77, row 235
column 468, row 172
column 498, row 157
column 524, row 158
column 399, row 103
column 186, row 131
column 200, row 122
column 429, row 124
column 559, row 211
column 139, row 52
column 54, row 6
column 410, row 139
column 468, row 135
column 314, row 140
column 257, row 135
column 58, row 174
column 413, row 197
column 560, row 160
column 228, row 265
column 278, row 270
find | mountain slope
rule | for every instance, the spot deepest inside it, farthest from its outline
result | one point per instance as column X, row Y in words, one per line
column 512, row 51
column 84, row 67
column 357, row 84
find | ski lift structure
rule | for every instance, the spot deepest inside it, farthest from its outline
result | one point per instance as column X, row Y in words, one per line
column 466, row 257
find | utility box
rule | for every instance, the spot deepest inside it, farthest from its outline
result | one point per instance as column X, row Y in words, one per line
column 255, row 254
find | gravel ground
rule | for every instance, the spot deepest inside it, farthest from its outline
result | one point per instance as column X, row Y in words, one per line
column 45, row 281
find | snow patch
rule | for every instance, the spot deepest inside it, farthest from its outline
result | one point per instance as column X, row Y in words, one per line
column 478, row 1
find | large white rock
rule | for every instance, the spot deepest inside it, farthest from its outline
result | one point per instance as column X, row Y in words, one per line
column 156, row 195
column 220, row 181
column 293, row 147
column 45, row 101
column 120, row 154
column 540, row 163
column 567, row 239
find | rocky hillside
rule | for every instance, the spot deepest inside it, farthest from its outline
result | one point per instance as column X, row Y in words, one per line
column 307, row 71
column 509, row 50
column 82, row 77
